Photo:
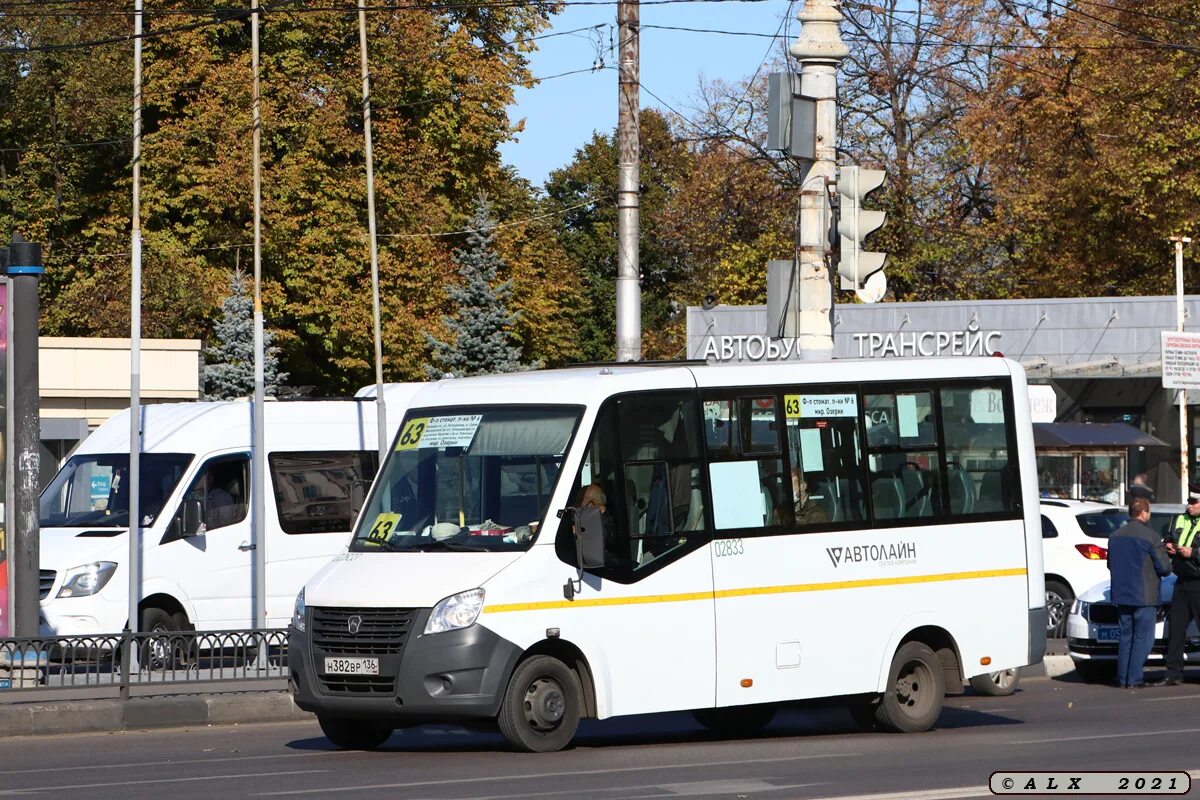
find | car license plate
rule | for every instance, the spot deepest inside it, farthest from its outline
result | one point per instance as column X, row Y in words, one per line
column 351, row 666
column 1108, row 634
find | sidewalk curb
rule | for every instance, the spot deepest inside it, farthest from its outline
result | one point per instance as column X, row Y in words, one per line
column 1050, row 667
column 100, row 716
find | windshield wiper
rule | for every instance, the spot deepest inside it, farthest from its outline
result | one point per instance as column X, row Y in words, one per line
column 370, row 545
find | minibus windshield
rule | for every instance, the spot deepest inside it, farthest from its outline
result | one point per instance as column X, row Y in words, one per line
column 93, row 490
column 473, row 479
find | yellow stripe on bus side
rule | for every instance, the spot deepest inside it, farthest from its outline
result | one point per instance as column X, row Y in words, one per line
column 756, row 590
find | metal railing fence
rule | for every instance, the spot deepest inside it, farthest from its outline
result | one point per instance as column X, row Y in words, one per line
column 161, row 657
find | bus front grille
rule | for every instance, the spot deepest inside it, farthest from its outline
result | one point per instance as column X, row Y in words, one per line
column 362, row 631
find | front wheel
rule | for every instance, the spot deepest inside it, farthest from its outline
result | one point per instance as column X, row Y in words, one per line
column 354, row 734
column 542, row 706
column 913, row 699
column 997, row 684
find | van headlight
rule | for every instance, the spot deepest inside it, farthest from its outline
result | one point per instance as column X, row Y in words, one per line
column 456, row 611
column 299, row 612
column 87, row 579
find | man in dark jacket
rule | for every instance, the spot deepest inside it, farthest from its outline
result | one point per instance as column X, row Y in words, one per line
column 1183, row 545
column 1136, row 559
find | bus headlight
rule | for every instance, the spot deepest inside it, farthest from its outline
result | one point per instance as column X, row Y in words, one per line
column 456, row 611
column 87, row 579
column 299, row 612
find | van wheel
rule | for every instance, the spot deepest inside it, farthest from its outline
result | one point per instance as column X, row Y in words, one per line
column 541, row 707
column 1058, row 606
column 736, row 721
column 997, row 684
column 913, row 700
column 160, row 651
column 354, row 734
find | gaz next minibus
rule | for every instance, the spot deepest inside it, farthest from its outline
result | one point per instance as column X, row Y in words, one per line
column 194, row 488
column 599, row 541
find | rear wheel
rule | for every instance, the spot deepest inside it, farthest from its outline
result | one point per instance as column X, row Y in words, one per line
column 1096, row 671
column 736, row 720
column 1058, row 605
column 997, row 684
column 355, row 734
column 913, row 700
column 542, row 706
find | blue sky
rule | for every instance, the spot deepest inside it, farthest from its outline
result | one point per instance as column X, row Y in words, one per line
column 561, row 114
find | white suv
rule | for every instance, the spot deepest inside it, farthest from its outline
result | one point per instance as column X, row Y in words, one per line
column 1075, row 551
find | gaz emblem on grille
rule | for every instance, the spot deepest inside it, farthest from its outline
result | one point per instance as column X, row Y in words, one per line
column 353, row 624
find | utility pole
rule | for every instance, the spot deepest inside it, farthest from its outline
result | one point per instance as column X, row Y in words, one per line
column 820, row 50
column 135, row 347
column 259, row 448
column 1180, row 241
column 24, row 271
column 380, row 405
column 629, row 290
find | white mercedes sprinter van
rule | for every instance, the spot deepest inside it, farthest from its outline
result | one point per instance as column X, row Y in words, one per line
column 197, row 542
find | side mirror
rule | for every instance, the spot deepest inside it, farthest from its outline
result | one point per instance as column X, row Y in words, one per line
column 589, row 538
column 192, row 514
column 358, row 496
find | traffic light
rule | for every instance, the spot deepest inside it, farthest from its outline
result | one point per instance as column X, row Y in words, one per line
column 859, row 268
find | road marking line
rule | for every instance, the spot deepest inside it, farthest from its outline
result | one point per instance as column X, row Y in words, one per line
column 239, row 776
column 543, row 775
column 1172, row 697
column 1103, row 736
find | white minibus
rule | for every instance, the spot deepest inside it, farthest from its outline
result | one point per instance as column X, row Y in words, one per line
column 194, row 485
column 601, row 541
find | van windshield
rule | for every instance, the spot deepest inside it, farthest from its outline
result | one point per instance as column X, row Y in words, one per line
column 467, row 479
column 93, row 490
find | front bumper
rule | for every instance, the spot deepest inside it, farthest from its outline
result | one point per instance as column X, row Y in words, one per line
column 1092, row 650
column 456, row 675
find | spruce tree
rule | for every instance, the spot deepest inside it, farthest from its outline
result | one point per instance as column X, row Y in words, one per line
column 229, row 364
column 482, row 324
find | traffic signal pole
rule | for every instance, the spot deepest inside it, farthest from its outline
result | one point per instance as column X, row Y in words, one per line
column 820, row 50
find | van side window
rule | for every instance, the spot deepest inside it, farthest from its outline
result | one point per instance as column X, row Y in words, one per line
column 825, row 483
column 222, row 489
column 745, row 470
column 902, row 455
column 979, row 471
column 314, row 490
column 642, row 468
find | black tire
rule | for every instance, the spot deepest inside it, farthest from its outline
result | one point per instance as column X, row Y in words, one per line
column 736, row 721
column 542, row 705
column 915, row 688
column 163, row 651
column 1058, row 605
column 863, row 711
column 997, row 684
column 1096, row 671
column 355, row 734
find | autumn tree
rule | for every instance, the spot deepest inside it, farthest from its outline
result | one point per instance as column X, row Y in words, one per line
column 1092, row 136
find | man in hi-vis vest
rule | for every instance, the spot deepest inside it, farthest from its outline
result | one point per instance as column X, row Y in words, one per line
column 1183, row 544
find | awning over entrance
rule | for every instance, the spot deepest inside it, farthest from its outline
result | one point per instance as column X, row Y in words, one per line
column 1092, row 434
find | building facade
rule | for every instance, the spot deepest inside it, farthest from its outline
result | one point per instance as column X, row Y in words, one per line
column 1090, row 360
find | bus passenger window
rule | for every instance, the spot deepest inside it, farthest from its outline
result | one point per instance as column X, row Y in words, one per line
column 978, row 470
column 903, row 459
column 823, row 443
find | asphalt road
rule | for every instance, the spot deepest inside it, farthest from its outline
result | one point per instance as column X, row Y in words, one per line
column 1049, row 725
